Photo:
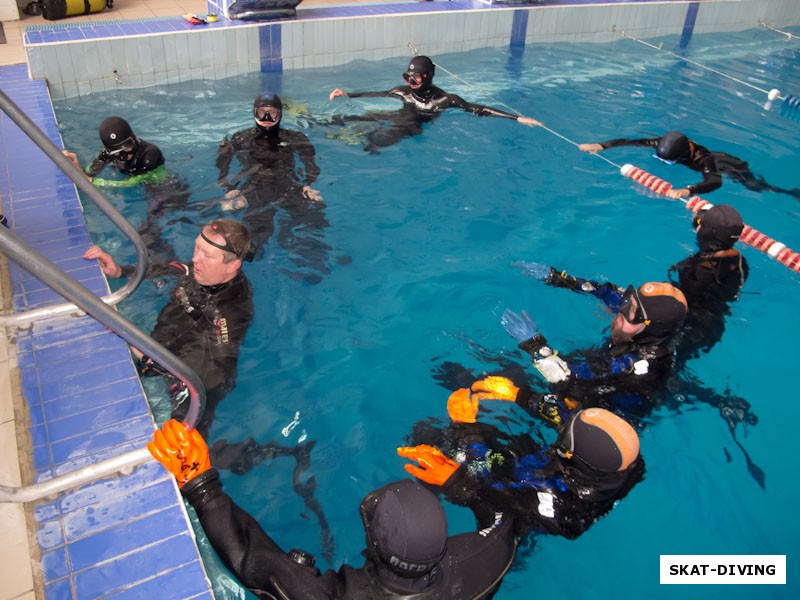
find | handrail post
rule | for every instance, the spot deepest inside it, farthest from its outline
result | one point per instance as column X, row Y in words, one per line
column 40, row 139
column 34, row 262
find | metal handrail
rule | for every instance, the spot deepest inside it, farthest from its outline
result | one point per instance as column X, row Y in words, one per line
column 36, row 263
column 23, row 319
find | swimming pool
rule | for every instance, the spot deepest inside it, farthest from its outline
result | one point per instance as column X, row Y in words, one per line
column 424, row 234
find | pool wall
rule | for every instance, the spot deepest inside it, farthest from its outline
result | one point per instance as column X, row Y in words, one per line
column 101, row 56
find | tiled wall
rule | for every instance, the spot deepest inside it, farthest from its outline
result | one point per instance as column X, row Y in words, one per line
column 92, row 59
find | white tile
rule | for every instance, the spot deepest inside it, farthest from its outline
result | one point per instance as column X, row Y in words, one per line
column 146, row 56
column 195, row 51
column 84, row 88
column 131, row 49
column 217, row 42
column 64, row 60
column 170, row 46
column 36, row 67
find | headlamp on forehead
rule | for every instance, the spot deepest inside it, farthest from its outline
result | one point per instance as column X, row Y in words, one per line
column 246, row 256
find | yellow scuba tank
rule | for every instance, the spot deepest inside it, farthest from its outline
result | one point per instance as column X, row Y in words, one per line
column 59, row 9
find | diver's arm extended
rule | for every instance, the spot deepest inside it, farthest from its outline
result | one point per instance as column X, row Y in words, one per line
column 480, row 110
column 610, row 293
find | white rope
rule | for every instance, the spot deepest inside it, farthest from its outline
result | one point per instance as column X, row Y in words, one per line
column 516, row 112
column 789, row 36
column 692, row 62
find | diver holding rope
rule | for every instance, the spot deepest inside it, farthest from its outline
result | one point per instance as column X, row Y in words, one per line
column 422, row 102
column 674, row 147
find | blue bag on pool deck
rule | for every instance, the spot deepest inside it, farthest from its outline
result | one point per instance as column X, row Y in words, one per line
column 60, row 9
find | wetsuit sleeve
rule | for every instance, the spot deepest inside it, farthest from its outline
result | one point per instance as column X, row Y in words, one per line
column 385, row 94
column 651, row 142
column 479, row 110
column 224, row 158
column 306, row 167
column 174, row 269
column 611, row 294
column 703, row 161
column 248, row 551
column 98, row 164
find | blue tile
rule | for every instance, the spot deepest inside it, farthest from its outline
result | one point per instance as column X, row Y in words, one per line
column 45, row 511
column 109, row 439
column 101, row 417
column 84, row 379
column 36, row 413
column 54, row 564
column 128, row 390
column 85, row 367
column 41, row 458
column 118, row 575
column 127, row 539
column 114, row 510
column 59, row 590
column 144, row 476
column 50, row 535
column 188, row 581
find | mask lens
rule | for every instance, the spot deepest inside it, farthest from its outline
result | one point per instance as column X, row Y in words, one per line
column 267, row 113
column 627, row 303
column 664, row 160
column 127, row 148
column 413, row 78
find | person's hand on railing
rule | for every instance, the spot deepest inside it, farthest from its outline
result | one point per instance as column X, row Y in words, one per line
column 74, row 160
column 107, row 264
column 183, row 452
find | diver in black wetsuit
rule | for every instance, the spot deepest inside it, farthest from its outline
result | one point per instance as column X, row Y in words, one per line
column 208, row 314
column 711, row 279
column 408, row 554
column 675, row 147
column 422, row 102
column 561, row 489
column 711, row 282
column 277, row 168
column 143, row 164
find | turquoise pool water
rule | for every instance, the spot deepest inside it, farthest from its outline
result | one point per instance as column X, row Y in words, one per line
column 423, row 235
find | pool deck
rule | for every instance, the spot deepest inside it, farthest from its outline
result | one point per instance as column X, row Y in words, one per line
column 126, row 536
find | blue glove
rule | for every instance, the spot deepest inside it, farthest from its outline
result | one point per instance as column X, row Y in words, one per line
column 520, row 327
column 535, row 270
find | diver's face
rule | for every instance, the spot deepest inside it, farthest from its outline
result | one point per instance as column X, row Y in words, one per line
column 266, row 116
column 414, row 80
column 208, row 262
column 622, row 327
column 125, row 152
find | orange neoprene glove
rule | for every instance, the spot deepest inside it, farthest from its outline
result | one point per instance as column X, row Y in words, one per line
column 184, row 453
column 462, row 406
column 495, row 388
column 433, row 466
